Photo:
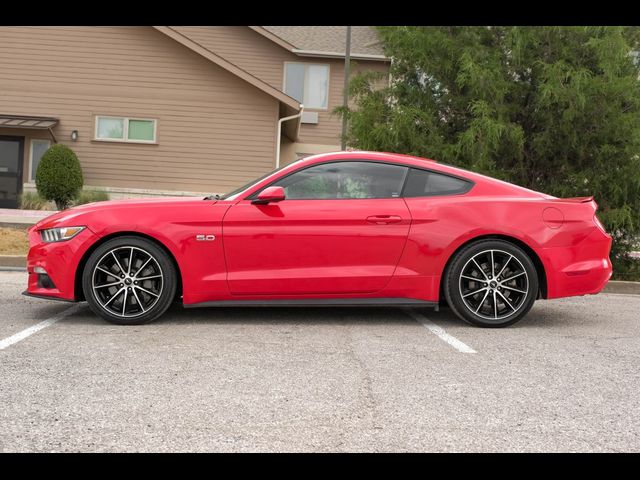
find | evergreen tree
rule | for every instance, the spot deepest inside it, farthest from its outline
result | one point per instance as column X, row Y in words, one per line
column 555, row 109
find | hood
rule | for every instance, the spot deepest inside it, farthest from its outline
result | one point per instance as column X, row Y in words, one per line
column 67, row 216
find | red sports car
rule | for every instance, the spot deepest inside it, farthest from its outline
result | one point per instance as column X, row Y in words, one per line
column 347, row 228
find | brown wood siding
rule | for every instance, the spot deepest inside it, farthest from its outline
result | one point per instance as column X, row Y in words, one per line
column 245, row 48
column 214, row 131
column 264, row 59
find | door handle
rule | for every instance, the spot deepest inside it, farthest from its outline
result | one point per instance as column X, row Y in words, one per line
column 384, row 219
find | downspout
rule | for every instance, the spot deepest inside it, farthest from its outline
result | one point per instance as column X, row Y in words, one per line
column 279, row 134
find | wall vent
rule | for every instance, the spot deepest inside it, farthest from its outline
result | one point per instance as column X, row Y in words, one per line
column 310, row 117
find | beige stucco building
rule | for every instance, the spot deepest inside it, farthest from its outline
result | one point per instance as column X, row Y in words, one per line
column 171, row 110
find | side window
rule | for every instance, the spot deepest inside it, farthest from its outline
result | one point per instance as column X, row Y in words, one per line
column 308, row 83
column 422, row 183
column 38, row 147
column 341, row 180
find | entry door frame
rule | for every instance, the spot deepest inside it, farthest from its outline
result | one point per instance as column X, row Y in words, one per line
column 19, row 172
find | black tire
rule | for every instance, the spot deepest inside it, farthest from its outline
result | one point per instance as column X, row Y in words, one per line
column 474, row 292
column 150, row 277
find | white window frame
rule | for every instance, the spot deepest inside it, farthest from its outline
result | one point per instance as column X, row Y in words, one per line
column 32, row 174
column 125, row 129
column 304, row 82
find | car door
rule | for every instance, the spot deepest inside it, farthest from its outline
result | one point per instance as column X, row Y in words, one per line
column 340, row 230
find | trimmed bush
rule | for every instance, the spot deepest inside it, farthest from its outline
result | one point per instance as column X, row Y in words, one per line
column 59, row 176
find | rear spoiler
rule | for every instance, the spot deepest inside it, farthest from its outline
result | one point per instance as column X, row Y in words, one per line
column 574, row 200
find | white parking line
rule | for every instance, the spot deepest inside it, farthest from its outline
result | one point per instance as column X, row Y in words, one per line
column 439, row 331
column 7, row 342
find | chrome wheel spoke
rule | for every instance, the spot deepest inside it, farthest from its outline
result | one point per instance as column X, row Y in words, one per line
column 493, row 272
column 514, row 289
column 148, row 278
column 106, row 271
column 142, row 267
column 480, row 268
column 130, row 260
column 117, row 262
column 476, row 279
column 140, row 304
column 146, row 291
column 114, row 297
column 482, row 302
column 505, row 265
column 511, row 278
column 473, row 293
column 506, row 301
column 108, row 285
column 124, row 303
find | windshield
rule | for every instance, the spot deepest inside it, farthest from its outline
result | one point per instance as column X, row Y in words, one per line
column 251, row 183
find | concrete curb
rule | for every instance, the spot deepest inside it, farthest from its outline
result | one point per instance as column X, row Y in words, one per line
column 13, row 261
column 621, row 286
column 18, row 263
column 16, row 226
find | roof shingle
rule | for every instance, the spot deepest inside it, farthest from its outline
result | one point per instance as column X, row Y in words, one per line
column 330, row 39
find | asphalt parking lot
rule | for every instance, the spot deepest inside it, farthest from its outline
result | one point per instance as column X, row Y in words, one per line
column 566, row 378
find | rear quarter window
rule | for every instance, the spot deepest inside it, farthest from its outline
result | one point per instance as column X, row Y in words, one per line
column 423, row 183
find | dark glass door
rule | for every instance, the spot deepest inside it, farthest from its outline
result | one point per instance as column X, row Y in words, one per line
column 11, row 151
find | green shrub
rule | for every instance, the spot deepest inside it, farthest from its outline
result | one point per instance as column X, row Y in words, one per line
column 33, row 201
column 627, row 268
column 59, row 176
column 89, row 196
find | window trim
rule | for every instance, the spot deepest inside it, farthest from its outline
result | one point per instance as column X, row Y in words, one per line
column 32, row 174
column 471, row 183
column 306, row 64
column 125, row 129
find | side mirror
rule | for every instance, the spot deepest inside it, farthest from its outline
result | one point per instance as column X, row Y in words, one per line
column 270, row 194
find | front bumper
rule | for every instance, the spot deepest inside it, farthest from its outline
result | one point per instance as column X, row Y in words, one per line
column 60, row 260
column 582, row 269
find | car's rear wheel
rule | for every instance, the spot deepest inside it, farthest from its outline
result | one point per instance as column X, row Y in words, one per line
column 491, row 283
column 129, row 281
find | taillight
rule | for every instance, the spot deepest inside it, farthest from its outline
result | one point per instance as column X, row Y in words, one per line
column 598, row 223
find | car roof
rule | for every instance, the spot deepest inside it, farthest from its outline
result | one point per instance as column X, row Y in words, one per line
column 367, row 155
column 491, row 185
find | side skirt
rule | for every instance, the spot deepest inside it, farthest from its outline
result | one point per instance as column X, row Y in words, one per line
column 319, row 302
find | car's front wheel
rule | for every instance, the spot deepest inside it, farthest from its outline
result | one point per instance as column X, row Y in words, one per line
column 129, row 281
column 491, row 283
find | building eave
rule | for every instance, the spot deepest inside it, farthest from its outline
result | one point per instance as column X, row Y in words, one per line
column 354, row 56
column 273, row 37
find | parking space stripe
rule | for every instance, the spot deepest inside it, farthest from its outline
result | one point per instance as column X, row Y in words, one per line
column 439, row 331
column 7, row 342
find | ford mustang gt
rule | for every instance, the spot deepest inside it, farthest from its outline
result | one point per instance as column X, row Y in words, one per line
column 347, row 228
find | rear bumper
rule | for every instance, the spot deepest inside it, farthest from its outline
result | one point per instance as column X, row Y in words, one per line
column 582, row 269
column 60, row 261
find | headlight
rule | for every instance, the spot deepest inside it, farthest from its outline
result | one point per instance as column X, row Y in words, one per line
column 59, row 234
